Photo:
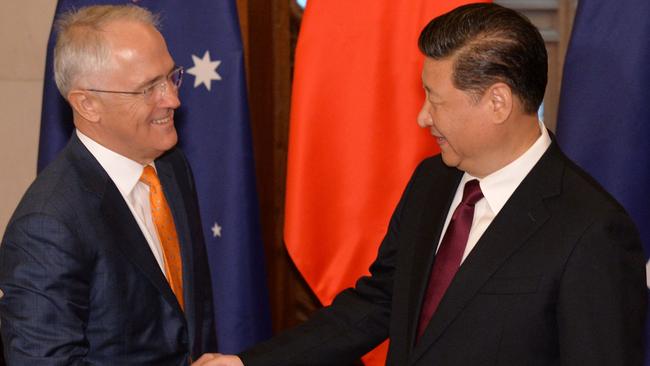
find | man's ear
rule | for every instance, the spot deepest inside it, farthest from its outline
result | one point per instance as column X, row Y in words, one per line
column 84, row 104
column 500, row 101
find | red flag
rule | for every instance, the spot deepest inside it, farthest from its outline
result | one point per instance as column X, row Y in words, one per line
column 354, row 140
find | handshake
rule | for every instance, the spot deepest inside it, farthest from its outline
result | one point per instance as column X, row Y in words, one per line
column 217, row 359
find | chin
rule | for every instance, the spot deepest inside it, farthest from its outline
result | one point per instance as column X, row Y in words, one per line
column 168, row 147
column 450, row 161
column 165, row 146
column 170, row 140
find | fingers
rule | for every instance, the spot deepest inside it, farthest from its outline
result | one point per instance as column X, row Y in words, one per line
column 217, row 359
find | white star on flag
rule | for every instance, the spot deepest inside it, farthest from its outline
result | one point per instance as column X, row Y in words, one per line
column 216, row 230
column 204, row 70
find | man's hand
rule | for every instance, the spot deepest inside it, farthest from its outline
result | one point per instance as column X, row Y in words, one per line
column 217, row 359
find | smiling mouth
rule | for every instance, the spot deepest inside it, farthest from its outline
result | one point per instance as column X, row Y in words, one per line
column 439, row 139
column 162, row 121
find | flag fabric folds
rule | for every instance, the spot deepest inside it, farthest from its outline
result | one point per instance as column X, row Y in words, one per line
column 604, row 112
column 214, row 132
column 353, row 140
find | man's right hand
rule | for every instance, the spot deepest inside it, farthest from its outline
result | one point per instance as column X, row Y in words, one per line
column 217, row 359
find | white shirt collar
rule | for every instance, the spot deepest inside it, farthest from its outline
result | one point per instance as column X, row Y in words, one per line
column 124, row 172
column 499, row 186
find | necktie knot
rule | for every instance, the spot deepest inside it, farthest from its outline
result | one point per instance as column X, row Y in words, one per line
column 149, row 177
column 471, row 193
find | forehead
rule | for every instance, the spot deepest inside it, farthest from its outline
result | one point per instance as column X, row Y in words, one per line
column 138, row 48
column 437, row 74
column 125, row 30
column 129, row 39
column 433, row 68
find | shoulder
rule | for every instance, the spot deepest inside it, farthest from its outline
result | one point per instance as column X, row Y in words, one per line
column 53, row 192
column 583, row 193
column 568, row 189
column 47, row 220
column 585, row 212
column 70, row 183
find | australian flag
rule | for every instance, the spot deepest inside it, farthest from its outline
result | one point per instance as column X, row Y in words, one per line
column 604, row 116
column 214, row 132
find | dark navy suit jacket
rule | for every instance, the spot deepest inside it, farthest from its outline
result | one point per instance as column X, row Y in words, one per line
column 81, row 285
column 556, row 279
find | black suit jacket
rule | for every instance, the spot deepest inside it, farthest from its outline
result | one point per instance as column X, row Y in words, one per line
column 81, row 285
column 558, row 278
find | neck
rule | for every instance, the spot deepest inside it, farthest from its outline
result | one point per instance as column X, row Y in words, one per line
column 523, row 134
column 517, row 136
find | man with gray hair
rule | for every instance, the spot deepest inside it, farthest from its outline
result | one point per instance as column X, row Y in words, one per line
column 103, row 261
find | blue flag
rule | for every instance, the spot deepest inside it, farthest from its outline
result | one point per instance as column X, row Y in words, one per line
column 604, row 115
column 214, row 132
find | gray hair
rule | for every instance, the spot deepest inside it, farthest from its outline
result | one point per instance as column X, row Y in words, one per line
column 81, row 48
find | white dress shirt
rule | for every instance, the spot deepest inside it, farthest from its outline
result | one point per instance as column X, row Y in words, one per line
column 497, row 189
column 125, row 173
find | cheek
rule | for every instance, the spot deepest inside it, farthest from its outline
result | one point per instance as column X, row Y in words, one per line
column 131, row 117
column 141, row 117
column 458, row 133
column 129, row 108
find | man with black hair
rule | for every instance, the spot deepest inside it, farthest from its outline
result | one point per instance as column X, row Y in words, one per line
column 501, row 251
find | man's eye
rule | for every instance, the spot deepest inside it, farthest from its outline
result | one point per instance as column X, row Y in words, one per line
column 147, row 91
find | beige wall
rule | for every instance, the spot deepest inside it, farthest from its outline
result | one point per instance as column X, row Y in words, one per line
column 24, row 29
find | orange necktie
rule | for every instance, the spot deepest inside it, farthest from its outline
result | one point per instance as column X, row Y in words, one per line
column 162, row 218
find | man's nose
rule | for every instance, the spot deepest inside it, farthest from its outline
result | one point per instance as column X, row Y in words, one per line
column 424, row 117
column 170, row 100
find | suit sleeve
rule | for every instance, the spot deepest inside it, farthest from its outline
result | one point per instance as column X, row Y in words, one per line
column 355, row 323
column 602, row 296
column 44, row 308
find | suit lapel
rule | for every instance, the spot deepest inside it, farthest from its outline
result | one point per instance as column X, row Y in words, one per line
column 125, row 234
column 175, row 199
column 429, row 227
column 523, row 214
column 129, row 240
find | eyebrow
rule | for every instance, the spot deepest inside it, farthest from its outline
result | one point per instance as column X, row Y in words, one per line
column 155, row 79
column 430, row 91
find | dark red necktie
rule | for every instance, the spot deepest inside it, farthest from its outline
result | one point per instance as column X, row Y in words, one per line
column 450, row 253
